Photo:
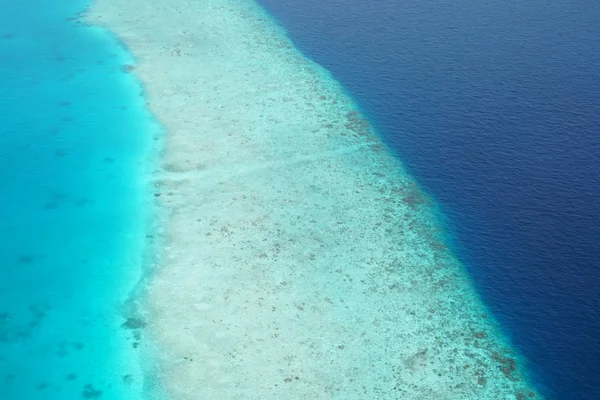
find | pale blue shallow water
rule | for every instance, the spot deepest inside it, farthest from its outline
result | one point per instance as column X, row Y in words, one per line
column 74, row 140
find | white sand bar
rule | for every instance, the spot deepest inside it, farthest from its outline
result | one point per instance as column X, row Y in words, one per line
column 300, row 260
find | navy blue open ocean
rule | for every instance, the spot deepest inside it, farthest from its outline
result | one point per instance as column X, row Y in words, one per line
column 494, row 106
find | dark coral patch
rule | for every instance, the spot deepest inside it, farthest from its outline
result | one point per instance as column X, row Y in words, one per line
column 357, row 123
column 26, row 259
column 62, row 352
column 414, row 198
column 133, row 323
column 90, row 393
column 508, row 365
column 78, row 345
column 71, row 377
column 83, row 202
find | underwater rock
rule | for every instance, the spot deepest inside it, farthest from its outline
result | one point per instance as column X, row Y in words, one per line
column 90, row 393
column 50, row 206
column 133, row 323
column 508, row 365
column 71, row 377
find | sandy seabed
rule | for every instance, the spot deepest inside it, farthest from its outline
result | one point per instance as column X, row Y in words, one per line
column 299, row 260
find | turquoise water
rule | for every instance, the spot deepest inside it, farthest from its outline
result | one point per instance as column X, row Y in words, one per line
column 74, row 143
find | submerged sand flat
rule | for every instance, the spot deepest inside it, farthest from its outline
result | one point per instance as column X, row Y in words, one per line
column 300, row 260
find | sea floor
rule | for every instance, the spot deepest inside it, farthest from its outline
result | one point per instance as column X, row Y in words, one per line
column 299, row 260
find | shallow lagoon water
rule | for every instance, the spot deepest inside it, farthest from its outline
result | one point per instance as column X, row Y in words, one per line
column 74, row 145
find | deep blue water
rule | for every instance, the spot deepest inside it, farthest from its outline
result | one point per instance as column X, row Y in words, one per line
column 494, row 106
column 73, row 140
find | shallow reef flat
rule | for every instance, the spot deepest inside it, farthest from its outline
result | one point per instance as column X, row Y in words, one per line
column 300, row 261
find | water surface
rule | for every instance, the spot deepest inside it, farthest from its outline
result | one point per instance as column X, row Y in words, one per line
column 495, row 108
